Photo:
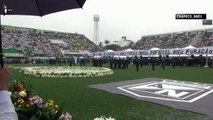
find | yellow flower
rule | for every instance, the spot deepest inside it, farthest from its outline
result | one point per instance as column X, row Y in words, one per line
column 20, row 85
column 56, row 107
column 20, row 102
column 23, row 94
column 51, row 101
column 51, row 105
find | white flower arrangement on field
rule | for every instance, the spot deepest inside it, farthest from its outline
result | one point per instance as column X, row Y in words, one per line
column 66, row 71
column 104, row 118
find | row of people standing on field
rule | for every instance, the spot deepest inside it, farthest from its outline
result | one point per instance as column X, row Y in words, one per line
column 123, row 62
column 171, row 61
column 119, row 63
column 113, row 62
column 71, row 61
column 97, row 62
column 163, row 61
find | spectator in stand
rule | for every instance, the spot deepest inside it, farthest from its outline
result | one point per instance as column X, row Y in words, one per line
column 176, row 40
column 31, row 41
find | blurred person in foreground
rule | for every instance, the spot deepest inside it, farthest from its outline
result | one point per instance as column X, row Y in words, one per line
column 7, row 110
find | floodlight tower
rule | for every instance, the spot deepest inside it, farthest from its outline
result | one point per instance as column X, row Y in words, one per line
column 96, row 19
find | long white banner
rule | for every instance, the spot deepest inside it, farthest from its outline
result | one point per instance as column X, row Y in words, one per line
column 172, row 52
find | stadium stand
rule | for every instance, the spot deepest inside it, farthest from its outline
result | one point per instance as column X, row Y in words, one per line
column 196, row 38
column 51, row 43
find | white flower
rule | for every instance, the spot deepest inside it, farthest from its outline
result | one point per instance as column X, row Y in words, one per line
column 101, row 118
column 65, row 116
column 104, row 118
column 23, row 94
column 110, row 118
column 62, row 72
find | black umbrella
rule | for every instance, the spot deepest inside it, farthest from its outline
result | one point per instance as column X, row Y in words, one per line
column 36, row 8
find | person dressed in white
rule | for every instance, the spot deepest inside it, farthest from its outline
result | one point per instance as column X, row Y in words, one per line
column 7, row 110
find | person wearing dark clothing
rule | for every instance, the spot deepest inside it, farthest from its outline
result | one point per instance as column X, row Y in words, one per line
column 136, row 62
column 127, row 63
column 100, row 62
column 153, row 63
column 65, row 61
column 173, row 63
column 119, row 63
column 71, row 60
column 94, row 62
column 81, row 61
column 111, row 61
column 141, row 61
column 192, row 62
column 84, row 61
column 163, row 63
column 115, row 63
column 201, row 62
column 123, row 63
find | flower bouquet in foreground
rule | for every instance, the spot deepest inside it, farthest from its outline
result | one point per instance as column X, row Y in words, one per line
column 33, row 107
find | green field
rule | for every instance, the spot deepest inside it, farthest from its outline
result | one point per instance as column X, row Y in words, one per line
column 86, row 103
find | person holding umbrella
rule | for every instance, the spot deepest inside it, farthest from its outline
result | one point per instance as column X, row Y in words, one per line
column 7, row 110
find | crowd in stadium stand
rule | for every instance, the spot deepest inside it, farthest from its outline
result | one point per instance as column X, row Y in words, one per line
column 32, row 41
column 39, row 42
column 52, row 45
column 199, row 38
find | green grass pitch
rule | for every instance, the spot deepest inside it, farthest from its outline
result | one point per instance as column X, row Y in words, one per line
column 86, row 103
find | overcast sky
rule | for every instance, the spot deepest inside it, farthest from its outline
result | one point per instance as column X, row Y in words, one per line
column 131, row 18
